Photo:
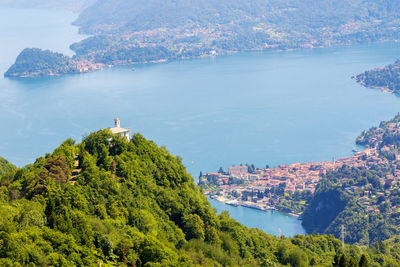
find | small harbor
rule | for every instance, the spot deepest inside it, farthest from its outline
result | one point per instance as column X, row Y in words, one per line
column 270, row 221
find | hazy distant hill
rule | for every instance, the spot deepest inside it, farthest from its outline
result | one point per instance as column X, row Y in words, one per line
column 72, row 5
column 303, row 15
column 137, row 31
column 140, row 31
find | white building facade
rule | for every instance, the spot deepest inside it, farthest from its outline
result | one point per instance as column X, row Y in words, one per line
column 117, row 130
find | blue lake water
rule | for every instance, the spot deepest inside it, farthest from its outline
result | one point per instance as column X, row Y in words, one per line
column 262, row 108
column 272, row 222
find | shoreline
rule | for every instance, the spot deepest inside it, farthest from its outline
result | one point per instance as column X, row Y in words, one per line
column 236, row 203
column 381, row 88
column 100, row 66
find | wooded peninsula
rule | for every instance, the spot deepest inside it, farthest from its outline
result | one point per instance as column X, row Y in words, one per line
column 387, row 78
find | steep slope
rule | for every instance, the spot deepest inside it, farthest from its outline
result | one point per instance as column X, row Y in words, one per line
column 133, row 203
column 364, row 199
column 128, row 32
column 306, row 15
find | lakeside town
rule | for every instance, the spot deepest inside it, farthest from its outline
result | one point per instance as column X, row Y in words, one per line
column 285, row 188
column 289, row 188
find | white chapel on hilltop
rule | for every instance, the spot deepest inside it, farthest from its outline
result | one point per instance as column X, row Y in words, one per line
column 121, row 131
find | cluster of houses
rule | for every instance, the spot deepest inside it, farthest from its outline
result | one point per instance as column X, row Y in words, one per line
column 297, row 177
column 374, row 137
column 286, row 187
column 84, row 65
column 173, row 38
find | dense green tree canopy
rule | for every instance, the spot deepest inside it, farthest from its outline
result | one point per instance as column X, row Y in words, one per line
column 386, row 78
column 112, row 202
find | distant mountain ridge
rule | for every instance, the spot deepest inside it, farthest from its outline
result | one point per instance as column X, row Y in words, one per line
column 128, row 32
column 135, row 15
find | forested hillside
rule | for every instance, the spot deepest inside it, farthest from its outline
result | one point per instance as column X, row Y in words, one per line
column 34, row 62
column 136, row 31
column 336, row 204
column 386, row 78
column 107, row 201
column 141, row 31
column 344, row 16
column 365, row 199
column 6, row 167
